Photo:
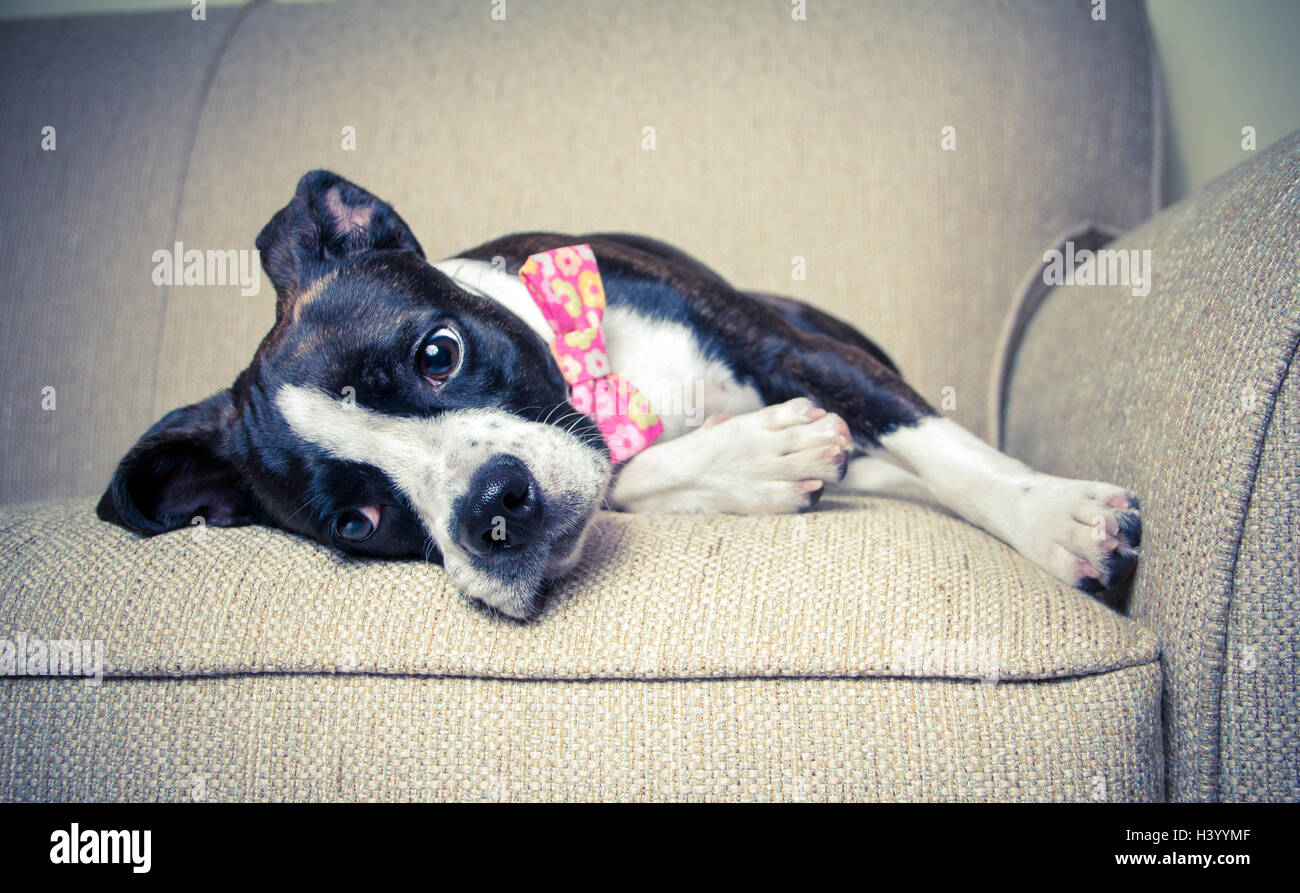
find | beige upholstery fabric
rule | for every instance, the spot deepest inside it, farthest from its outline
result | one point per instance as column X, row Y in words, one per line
column 911, row 592
column 1259, row 706
column 724, row 656
column 353, row 737
column 1179, row 395
column 78, row 312
column 773, row 139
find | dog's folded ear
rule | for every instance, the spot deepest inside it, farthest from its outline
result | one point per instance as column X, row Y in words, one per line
column 329, row 220
column 179, row 471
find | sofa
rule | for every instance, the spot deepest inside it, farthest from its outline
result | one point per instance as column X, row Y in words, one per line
column 907, row 166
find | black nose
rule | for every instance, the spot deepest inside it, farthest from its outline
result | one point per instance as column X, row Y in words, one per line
column 502, row 509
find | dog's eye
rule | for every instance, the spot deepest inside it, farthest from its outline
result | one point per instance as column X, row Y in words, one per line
column 356, row 525
column 439, row 355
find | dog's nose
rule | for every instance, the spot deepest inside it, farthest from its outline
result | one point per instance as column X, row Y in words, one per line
column 502, row 510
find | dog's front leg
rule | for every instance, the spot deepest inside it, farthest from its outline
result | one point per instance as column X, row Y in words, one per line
column 1085, row 533
column 774, row 460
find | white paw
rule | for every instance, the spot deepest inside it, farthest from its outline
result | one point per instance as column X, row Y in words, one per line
column 787, row 452
column 771, row 461
column 779, row 458
column 1084, row 533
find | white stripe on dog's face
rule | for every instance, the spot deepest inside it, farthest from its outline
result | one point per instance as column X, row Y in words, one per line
column 431, row 461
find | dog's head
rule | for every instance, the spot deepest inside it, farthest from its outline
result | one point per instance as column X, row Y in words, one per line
column 387, row 413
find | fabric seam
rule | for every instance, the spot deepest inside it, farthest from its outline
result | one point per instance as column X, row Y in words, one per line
column 1146, row 659
column 1256, row 459
column 1030, row 297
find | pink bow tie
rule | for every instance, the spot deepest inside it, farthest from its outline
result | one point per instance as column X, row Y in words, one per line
column 566, row 285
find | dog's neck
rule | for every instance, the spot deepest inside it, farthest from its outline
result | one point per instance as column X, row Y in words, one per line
column 486, row 280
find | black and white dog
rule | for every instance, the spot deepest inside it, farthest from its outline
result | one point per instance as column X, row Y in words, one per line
column 399, row 408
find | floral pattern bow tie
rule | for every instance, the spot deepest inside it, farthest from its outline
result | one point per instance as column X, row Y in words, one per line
column 566, row 285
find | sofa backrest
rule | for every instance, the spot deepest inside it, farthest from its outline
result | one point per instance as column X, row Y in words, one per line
column 902, row 164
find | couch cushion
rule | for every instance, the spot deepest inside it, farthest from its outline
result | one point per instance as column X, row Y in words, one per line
column 873, row 587
column 709, row 658
column 355, row 737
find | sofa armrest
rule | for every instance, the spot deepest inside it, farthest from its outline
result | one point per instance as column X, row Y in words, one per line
column 1189, row 396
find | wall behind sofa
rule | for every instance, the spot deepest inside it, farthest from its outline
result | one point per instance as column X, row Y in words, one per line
column 1227, row 64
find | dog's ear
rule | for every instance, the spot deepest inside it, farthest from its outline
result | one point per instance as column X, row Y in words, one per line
column 179, row 471
column 328, row 220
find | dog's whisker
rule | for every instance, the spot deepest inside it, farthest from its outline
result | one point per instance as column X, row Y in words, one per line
column 312, row 500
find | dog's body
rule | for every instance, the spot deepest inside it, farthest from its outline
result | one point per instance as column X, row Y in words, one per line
column 399, row 408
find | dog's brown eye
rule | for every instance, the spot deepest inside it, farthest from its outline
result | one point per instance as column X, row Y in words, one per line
column 355, row 525
column 439, row 356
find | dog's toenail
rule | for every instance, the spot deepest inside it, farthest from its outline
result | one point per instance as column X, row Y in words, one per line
column 1089, row 585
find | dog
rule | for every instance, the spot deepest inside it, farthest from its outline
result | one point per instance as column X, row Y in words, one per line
column 399, row 408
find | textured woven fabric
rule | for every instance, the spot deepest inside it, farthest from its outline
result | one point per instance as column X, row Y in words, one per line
column 78, row 312
column 1260, row 709
column 1175, row 396
column 927, row 661
column 363, row 737
column 800, row 157
column 911, row 591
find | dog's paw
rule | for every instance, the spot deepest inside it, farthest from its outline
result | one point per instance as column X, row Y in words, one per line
column 782, row 456
column 772, row 461
column 1085, row 533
